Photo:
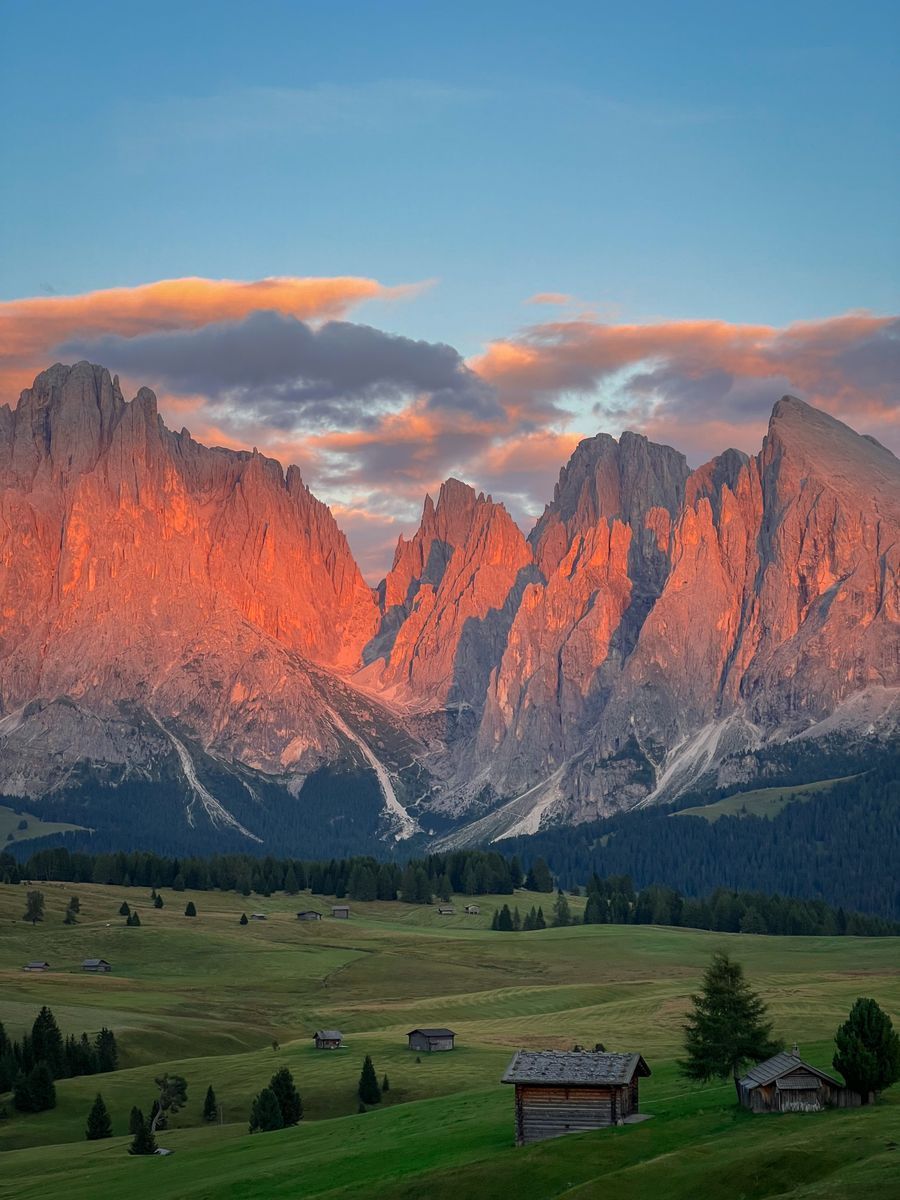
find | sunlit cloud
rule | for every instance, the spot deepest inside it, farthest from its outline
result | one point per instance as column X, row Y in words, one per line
column 31, row 329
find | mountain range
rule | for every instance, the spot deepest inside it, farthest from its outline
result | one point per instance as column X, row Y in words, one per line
column 187, row 644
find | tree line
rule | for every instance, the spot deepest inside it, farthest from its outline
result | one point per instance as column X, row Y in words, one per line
column 29, row 1067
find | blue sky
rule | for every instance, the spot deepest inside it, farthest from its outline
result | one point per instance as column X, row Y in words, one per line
column 711, row 173
column 735, row 161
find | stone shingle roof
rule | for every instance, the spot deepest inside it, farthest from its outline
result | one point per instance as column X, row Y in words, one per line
column 433, row 1033
column 330, row 1035
column 767, row 1072
column 572, row 1067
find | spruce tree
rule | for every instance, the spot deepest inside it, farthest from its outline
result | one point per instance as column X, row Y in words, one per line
column 539, row 921
column 98, row 1122
column 190, row 909
column 504, row 920
column 282, row 1084
column 385, row 1085
column 106, row 1050
column 867, row 1049
column 158, row 901
column 143, row 1140
column 727, row 1028
column 75, row 904
column 561, row 912
column 124, row 910
column 47, row 1042
column 243, row 920
column 265, row 1113
column 210, row 1106
column 368, row 1090
column 70, row 918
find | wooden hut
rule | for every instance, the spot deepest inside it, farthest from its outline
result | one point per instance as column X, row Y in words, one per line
column 559, row 1092
column 328, row 1039
column 258, row 917
column 309, row 914
column 431, row 1040
column 473, row 910
column 96, row 965
column 446, row 910
column 785, row 1083
column 36, row 966
column 341, row 911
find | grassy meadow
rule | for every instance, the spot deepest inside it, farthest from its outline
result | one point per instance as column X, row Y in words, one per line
column 761, row 802
column 207, row 997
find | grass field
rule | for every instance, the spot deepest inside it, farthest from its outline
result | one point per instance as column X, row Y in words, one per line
column 207, row 997
column 761, row 802
column 36, row 828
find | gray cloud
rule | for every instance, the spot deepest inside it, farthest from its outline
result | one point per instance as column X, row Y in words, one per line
column 276, row 370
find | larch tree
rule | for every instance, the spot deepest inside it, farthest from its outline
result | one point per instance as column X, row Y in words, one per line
column 727, row 1027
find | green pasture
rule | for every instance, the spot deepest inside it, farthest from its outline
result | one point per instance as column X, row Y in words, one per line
column 761, row 802
column 207, row 997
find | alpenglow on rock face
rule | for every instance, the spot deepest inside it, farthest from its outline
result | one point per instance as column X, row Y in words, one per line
column 179, row 613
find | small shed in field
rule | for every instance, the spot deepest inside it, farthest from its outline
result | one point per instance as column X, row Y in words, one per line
column 309, row 914
column 328, row 1039
column 430, row 1040
column 258, row 917
column 341, row 911
column 785, row 1083
column 446, row 910
column 570, row 1091
column 36, row 966
column 473, row 910
column 96, row 964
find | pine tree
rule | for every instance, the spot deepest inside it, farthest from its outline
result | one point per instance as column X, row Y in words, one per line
column 539, row 921
column 517, row 919
column 157, row 901
column 210, row 1106
column 368, row 1090
column 34, row 1092
column 124, row 910
column 34, row 907
column 265, row 1113
column 143, row 1140
column 727, row 1028
column 291, row 885
column 495, row 919
column 243, row 920
column 75, row 904
column 867, row 1050
column 190, row 909
column 98, row 1122
column 47, row 1042
column 106, row 1050
column 562, row 914
column 504, row 919
column 539, row 878
column 282, row 1084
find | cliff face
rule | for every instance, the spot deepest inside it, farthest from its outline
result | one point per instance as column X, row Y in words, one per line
column 140, row 568
column 656, row 624
column 448, row 601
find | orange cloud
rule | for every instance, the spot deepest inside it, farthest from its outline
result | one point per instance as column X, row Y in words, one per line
column 31, row 328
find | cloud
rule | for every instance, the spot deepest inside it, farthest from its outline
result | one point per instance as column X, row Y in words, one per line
column 550, row 298
column 31, row 328
column 687, row 381
column 276, row 370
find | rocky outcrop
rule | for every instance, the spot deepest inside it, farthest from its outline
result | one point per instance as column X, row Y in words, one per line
column 448, row 601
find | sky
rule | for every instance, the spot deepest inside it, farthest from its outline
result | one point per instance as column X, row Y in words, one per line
column 397, row 241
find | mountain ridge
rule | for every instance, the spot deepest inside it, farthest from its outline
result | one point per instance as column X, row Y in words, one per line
column 655, row 626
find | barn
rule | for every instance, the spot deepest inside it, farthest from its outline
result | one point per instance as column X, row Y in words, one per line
column 472, row 910
column 309, row 914
column 785, row 1083
column 341, row 911
column 328, row 1039
column 96, row 964
column 36, row 966
column 430, row 1040
column 570, row 1091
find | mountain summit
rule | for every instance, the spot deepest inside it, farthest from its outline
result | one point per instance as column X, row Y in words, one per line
column 191, row 619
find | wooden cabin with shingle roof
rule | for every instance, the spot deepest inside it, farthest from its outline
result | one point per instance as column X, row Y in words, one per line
column 570, row 1091
column 785, row 1083
column 328, row 1039
column 431, row 1040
